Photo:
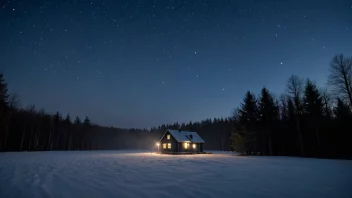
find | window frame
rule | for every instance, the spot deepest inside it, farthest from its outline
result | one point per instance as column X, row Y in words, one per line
column 168, row 145
column 168, row 136
column 164, row 146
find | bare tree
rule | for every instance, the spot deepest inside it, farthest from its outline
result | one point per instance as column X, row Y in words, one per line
column 327, row 101
column 295, row 90
column 283, row 107
column 340, row 77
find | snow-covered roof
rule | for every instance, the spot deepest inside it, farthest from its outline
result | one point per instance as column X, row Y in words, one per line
column 185, row 136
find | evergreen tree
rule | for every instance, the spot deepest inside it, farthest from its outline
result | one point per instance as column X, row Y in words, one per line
column 4, row 97
column 246, row 129
column 4, row 117
column 343, row 128
column 68, row 119
column 77, row 121
column 268, row 114
column 248, row 113
column 313, row 109
column 86, row 121
column 342, row 111
column 313, row 101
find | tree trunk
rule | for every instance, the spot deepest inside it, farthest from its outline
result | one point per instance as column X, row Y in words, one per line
column 300, row 138
column 348, row 88
column 49, row 140
column 22, row 138
column 30, row 140
column 318, row 140
column 6, row 133
column 270, row 145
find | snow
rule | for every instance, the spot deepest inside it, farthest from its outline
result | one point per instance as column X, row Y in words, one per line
column 184, row 136
column 136, row 174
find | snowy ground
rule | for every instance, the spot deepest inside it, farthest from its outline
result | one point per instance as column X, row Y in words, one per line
column 138, row 175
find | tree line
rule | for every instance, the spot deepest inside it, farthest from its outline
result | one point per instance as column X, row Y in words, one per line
column 304, row 121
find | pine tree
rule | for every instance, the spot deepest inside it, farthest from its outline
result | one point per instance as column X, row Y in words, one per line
column 246, row 128
column 4, row 97
column 68, row 119
column 86, row 121
column 341, row 111
column 342, row 133
column 313, row 101
column 313, row 108
column 4, row 116
column 268, row 114
column 77, row 121
column 248, row 113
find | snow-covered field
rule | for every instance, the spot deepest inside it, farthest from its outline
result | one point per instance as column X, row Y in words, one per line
column 141, row 174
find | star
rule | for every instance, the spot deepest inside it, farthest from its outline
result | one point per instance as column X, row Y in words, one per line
column 197, row 75
column 195, row 53
column 163, row 82
column 281, row 63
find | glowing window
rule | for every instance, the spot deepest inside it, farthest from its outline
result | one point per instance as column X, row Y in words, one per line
column 164, row 146
column 194, row 146
column 186, row 145
column 169, row 145
column 168, row 137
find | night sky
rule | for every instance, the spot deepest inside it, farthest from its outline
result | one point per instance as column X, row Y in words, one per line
column 142, row 63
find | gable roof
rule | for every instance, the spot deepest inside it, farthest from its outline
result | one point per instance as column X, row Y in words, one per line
column 185, row 136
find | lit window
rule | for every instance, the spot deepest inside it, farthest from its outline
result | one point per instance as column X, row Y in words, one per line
column 186, row 145
column 168, row 137
column 194, row 146
column 169, row 145
column 164, row 146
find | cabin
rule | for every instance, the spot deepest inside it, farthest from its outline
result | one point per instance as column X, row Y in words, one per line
column 178, row 141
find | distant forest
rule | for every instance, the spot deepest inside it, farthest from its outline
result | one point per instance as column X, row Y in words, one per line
column 305, row 121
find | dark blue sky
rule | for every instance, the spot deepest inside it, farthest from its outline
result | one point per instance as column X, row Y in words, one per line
column 142, row 63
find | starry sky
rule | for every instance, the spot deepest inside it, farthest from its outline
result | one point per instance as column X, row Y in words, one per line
column 141, row 63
